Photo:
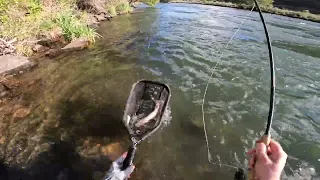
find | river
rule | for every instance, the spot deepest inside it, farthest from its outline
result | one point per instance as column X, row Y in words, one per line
column 79, row 97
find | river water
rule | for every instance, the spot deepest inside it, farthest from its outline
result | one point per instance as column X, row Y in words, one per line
column 82, row 95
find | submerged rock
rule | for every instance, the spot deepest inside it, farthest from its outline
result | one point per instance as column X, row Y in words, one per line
column 112, row 151
column 54, row 53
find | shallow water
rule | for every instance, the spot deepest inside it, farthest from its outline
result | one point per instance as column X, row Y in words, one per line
column 82, row 95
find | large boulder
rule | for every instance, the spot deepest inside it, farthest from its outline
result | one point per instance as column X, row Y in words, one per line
column 10, row 63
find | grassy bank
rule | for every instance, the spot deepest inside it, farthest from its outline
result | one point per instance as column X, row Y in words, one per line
column 27, row 21
column 306, row 15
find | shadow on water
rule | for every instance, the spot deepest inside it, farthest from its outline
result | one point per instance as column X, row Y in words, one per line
column 60, row 162
column 78, row 125
column 83, row 119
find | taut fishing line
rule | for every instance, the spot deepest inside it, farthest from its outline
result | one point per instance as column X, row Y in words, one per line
column 206, row 89
column 272, row 85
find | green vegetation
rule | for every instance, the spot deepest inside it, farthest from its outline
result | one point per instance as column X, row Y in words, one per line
column 150, row 2
column 267, row 3
column 72, row 27
column 25, row 20
column 296, row 14
column 115, row 7
column 264, row 3
column 123, row 7
column 112, row 10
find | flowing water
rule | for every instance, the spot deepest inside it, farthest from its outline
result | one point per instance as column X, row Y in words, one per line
column 83, row 94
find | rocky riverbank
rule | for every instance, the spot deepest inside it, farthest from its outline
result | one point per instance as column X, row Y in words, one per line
column 49, row 27
column 66, row 31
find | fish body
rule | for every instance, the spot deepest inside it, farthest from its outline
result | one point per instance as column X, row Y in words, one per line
column 151, row 116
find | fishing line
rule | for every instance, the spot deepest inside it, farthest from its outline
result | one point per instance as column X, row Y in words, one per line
column 206, row 89
column 272, row 83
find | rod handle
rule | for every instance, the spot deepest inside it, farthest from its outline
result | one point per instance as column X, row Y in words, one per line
column 265, row 139
column 128, row 161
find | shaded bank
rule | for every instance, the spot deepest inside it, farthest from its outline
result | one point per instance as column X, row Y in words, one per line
column 296, row 5
column 306, row 15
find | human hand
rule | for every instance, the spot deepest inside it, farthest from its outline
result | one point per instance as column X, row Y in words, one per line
column 115, row 172
column 267, row 163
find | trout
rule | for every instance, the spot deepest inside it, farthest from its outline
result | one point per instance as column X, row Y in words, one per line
column 151, row 116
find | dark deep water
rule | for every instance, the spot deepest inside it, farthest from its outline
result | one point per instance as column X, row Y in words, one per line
column 78, row 106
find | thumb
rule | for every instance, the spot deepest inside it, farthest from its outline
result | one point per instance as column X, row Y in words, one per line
column 261, row 153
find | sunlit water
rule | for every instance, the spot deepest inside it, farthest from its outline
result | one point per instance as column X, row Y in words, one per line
column 179, row 44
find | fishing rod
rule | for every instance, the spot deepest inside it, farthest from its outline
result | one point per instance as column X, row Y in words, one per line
column 266, row 138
